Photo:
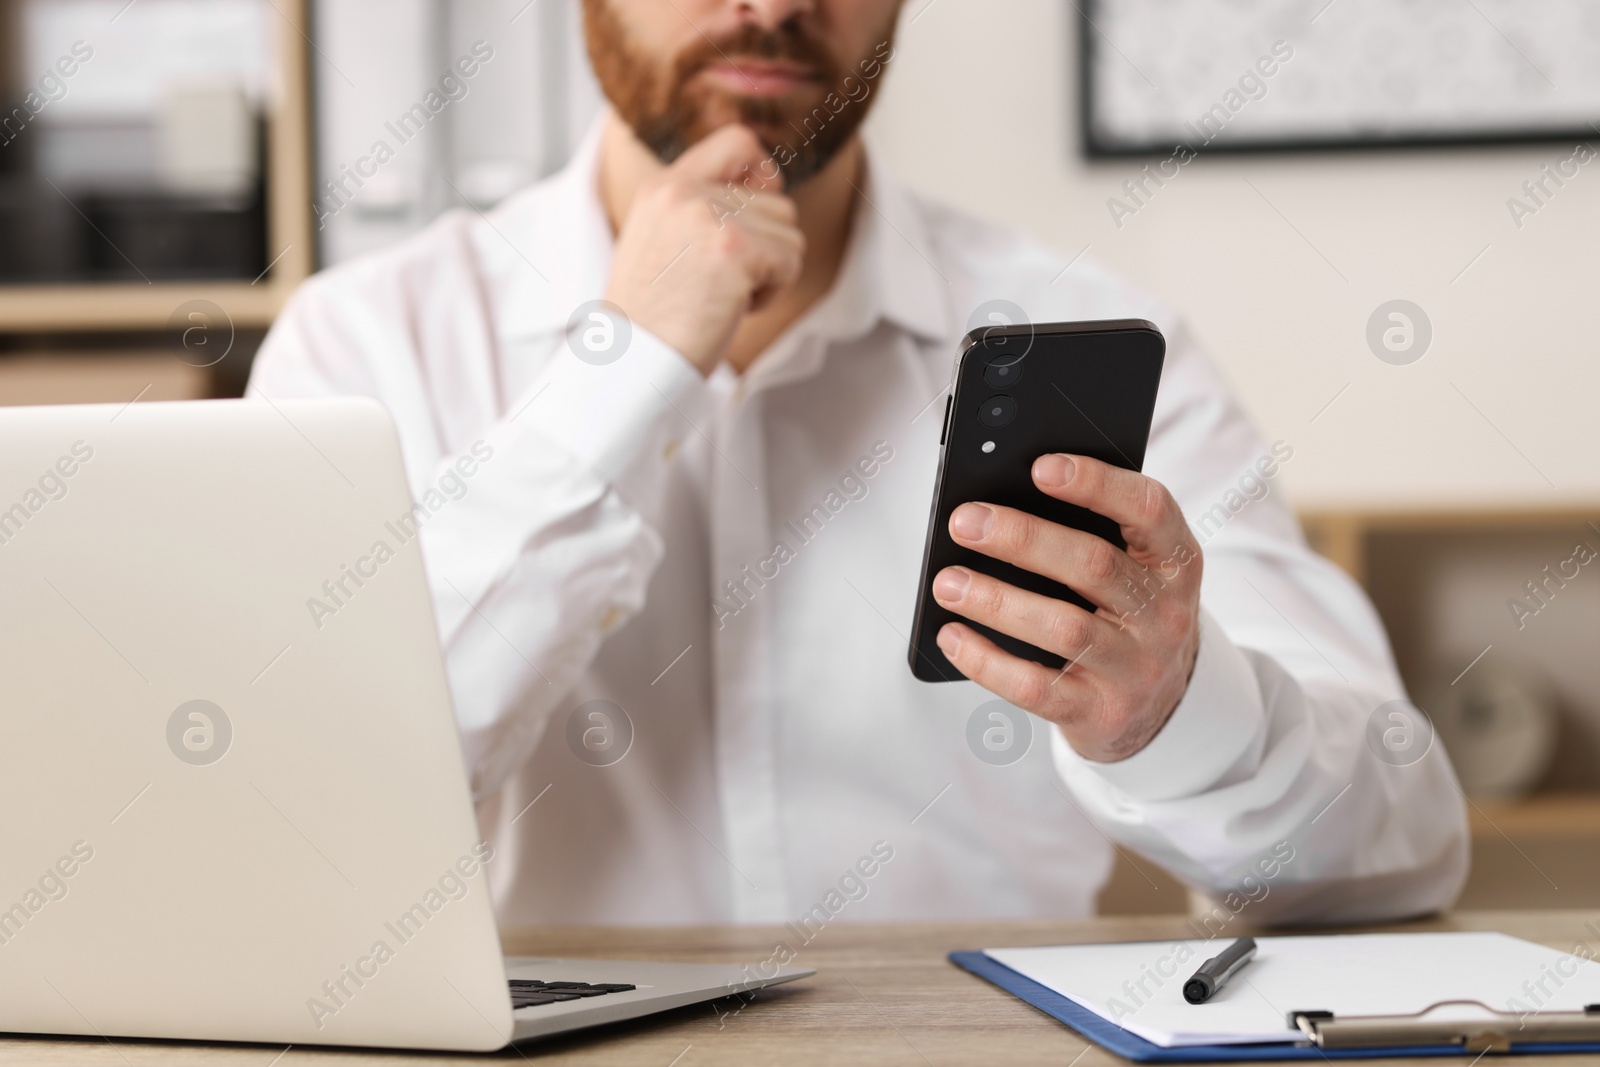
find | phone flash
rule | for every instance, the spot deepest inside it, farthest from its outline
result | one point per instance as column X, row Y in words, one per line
column 988, row 446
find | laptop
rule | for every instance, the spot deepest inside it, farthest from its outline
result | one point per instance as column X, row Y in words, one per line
column 231, row 815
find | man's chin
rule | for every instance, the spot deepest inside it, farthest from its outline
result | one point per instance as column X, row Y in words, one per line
column 795, row 137
column 781, row 140
column 715, row 108
column 778, row 136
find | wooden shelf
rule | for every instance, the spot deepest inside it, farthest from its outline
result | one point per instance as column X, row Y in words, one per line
column 290, row 241
column 1448, row 518
column 100, row 377
column 1342, row 534
column 1538, row 816
column 80, row 308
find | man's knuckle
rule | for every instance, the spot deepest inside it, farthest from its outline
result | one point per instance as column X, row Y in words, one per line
column 1069, row 630
column 730, row 242
column 1153, row 499
column 670, row 193
column 1100, row 563
column 1016, row 532
column 990, row 597
column 973, row 659
column 1031, row 691
column 1178, row 615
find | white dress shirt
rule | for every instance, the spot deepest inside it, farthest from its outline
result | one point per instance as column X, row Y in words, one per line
column 635, row 535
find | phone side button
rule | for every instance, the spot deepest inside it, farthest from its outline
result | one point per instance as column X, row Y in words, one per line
column 945, row 432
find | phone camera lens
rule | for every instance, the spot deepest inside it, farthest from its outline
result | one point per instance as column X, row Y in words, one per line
column 997, row 411
column 1003, row 371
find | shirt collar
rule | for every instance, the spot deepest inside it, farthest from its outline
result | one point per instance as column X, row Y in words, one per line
column 554, row 244
column 890, row 271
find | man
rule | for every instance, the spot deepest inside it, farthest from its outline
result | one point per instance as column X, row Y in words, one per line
column 675, row 554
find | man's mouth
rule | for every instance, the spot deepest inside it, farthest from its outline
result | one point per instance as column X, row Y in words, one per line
column 742, row 76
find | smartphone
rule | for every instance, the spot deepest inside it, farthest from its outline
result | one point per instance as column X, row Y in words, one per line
column 1083, row 388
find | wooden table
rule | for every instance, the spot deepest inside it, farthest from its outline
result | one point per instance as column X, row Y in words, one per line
column 883, row 994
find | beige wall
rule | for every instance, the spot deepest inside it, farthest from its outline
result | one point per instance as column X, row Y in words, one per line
column 980, row 112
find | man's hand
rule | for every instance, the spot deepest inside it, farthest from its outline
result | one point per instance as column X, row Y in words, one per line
column 1129, row 661
column 689, row 273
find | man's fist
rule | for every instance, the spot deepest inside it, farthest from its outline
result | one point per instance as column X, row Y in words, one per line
column 690, row 262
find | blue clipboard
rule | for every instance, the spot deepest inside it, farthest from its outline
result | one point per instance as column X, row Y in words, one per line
column 1110, row 1036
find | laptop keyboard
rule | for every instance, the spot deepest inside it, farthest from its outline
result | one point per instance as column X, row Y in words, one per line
column 527, row 993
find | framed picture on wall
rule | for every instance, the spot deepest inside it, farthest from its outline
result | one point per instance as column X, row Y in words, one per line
column 1283, row 75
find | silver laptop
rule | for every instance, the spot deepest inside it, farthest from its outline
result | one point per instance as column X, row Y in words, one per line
column 229, row 817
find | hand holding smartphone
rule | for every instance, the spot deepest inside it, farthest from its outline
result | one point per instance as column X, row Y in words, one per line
column 1022, row 392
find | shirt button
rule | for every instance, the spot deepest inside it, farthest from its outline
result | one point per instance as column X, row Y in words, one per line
column 668, row 452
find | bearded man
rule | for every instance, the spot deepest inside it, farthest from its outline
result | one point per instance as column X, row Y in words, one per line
column 672, row 419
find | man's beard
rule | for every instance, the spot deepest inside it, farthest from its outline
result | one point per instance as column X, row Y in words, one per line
column 668, row 113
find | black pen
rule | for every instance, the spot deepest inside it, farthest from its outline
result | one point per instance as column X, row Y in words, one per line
column 1215, row 972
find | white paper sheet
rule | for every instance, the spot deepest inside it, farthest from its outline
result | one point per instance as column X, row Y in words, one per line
column 1139, row 986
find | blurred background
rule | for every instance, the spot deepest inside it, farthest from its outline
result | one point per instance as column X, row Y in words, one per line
column 1379, row 218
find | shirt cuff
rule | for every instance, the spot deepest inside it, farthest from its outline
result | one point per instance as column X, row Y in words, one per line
column 611, row 415
column 1220, row 717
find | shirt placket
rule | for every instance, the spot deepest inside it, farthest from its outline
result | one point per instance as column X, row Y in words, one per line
column 745, row 738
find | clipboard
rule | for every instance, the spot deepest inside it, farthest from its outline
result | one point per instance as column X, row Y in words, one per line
column 1130, row 1046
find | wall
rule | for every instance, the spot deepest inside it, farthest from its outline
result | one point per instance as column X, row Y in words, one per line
column 1279, row 261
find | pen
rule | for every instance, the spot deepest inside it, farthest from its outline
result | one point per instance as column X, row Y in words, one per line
column 1215, row 972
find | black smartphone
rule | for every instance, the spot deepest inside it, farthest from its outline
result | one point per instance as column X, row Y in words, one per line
column 1083, row 388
